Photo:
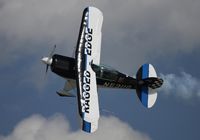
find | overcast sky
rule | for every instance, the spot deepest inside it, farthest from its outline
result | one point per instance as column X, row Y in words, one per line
column 164, row 33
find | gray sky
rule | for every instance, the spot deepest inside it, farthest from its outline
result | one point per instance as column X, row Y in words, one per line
column 164, row 33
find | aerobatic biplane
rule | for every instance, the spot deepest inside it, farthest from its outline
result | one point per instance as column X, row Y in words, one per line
column 86, row 73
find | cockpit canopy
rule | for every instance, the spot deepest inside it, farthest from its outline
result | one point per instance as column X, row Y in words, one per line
column 105, row 72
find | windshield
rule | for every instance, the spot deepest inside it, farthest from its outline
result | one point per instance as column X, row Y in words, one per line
column 105, row 72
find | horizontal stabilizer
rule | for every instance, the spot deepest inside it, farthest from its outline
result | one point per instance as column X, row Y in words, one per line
column 151, row 82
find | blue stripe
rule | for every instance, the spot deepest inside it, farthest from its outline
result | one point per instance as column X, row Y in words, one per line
column 144, row 96
column 145, row 71
column 87, row 25
column 86, row 126
column 144, row 90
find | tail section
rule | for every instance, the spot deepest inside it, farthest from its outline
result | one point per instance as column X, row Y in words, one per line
column 147, row 83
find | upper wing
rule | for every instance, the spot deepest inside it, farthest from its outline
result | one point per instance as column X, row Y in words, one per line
column 88, row 52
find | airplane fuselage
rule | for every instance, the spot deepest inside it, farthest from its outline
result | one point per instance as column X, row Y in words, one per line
column 106, row 77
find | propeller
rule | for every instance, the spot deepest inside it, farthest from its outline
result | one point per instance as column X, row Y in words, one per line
column 48, row 60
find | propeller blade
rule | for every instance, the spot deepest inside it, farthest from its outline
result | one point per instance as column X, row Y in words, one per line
column 52, row 52
column 47, row 67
